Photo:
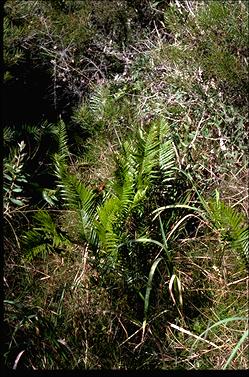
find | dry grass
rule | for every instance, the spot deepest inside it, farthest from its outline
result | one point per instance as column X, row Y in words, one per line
column 64, row 313
column 211, row 292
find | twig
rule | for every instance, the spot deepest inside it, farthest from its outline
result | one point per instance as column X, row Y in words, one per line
column 126, row 340
column 191, row 334
column 237, row 281
column 17, row 359
column 197, row 130
column 18, row 244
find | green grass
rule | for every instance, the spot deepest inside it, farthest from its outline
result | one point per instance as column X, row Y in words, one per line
column 140, row 258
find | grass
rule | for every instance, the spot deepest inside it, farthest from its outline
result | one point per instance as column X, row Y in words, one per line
column 69, row 310
column 178, row 297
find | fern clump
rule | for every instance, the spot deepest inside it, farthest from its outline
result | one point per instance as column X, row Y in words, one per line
column 141, row 163
column 44, row 238
column 111, row 249
column 231, row 225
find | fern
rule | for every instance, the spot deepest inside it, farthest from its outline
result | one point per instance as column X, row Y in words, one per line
column 144, row 161
column 123, row 185
column 8, row 135
column 112, row 214
column 230, row 224
column 147, row 159
column 101, row 103
column 78, row 197
column 43, row 238
column 106, row 217
column 242, row 244
column 32, row 130
column 141, row 162
column 46, row 237
column 167, row 161
column 147, row 149
column 63, row 150
column 156, row 156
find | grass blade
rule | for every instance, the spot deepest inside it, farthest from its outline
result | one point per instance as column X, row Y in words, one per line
column 149, row 285
column 223, row 321
column 148, row 290
column 234, row 351
column 184, row 331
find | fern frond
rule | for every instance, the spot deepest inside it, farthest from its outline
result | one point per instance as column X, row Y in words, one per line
column 39, row 250
column 44, row 237
column 125, row 163
column 146, row 156
column 62, row 140
column 241, row 243
column 139, row 164
column 126, row 197
column 230, row 223
column 106, row 216
column 101, row 103
column 123, row 189
column 155, row 155
column 78, row 197
column 32, row 130
column 167, row 158
column 225, row 218
column 8, row 135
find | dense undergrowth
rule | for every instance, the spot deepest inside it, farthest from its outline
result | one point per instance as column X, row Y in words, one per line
column 125, row 185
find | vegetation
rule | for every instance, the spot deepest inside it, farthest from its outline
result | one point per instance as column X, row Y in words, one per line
column 125, row 180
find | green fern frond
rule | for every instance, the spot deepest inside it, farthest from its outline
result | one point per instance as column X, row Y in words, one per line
column 62, row 137
column 32, row 130
column 226, row 219
column 139, row 197
column 230, row 223
column 101, row 103
column 45, row 237
column 125, row 163
column 142, row 161
column 147, row 148
column 78, row 197
column 123, row 189
column 167, row 158
column 241, row 243
column 41, row 250
column 126, row 196
column 106, row 217
column 8, row 135
column 155, row 155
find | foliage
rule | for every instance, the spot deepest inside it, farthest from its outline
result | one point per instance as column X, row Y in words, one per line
column 139, row 166
column 215, row 39
column 230, row 224
column 66, row 39
column 13, row 179
column 117, row 253
column 242, row 339
column 44, row 237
